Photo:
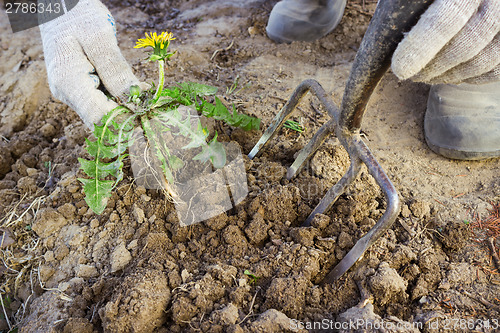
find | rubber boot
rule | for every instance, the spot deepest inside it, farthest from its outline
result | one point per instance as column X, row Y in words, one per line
column 304, row 20
column 463, row 121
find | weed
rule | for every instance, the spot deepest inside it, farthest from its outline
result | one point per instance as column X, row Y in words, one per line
column 157, row 111
column 295, row 126
column 251, row 275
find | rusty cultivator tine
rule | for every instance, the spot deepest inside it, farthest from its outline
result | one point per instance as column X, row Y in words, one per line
column 391, row 19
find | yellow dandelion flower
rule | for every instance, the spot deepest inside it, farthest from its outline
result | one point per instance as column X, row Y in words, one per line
column 153, row 40
column 159, row 44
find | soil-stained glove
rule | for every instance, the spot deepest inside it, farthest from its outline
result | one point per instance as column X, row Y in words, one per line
column 80, row 49
column 454, row 41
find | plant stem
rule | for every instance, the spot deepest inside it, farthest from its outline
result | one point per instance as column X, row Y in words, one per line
column 161, row 81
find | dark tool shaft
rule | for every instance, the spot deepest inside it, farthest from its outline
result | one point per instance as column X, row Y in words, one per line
column 391, row 19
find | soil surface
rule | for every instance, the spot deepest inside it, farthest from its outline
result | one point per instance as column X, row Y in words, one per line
column 254, row 268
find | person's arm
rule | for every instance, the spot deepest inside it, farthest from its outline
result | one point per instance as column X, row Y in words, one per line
column 81, row 50
column 454, row 41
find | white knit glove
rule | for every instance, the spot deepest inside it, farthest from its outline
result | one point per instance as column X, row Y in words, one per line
column 80, row 47
column 454, row 41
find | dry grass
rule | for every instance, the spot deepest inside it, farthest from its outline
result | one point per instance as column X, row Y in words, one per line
column 487, row 233
column 20, row 259
column 488, row 227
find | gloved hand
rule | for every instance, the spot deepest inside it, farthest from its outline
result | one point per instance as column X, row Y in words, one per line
column 454, row 41
column 80, row 49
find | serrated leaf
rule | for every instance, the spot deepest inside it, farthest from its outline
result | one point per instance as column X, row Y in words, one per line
column 220, row 112
column 168, row 174
column 95, row 148
column 178, row 95
column 213, row 152
column 198, row 89
column 103, row 133
column 112, row 139
column 185, row 128
column 175, row 162
column 162, row 100
column 154, row 57
column 98, row 169
column 97, row 193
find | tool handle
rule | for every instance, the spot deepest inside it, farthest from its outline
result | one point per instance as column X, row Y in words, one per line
column 391, row 19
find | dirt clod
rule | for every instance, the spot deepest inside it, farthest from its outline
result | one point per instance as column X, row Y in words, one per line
column 387, row 285
column 227, row 315
column 120, row 258
column 271, row 321
column 139, row 306
column 455, row 235
column 287, row 295
column 49, row 222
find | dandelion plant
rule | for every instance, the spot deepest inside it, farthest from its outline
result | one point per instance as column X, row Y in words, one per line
column 156, row 111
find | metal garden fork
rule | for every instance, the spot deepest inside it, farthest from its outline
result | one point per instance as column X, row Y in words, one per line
column 391, row 19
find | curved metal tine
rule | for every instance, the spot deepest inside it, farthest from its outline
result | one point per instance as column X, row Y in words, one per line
column 281, row 117
column 309, row 149
column 289, row 107
column 335, row 191
column 385, row 222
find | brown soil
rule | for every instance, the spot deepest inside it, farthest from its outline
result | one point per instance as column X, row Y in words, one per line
column 135, row 269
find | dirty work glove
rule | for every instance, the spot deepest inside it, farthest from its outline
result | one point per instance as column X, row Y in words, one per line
column 80, row 49
column 454, row 41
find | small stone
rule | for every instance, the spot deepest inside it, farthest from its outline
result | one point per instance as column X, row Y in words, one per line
column 138, row 214
column 225, row 273
column 185, row 275
column 82, row 210
column 363, row 314
column 75, row 134
column 63, row 286
column 73, row 188
column 233, row 236
column 132, row 245
column 252, row 31
column 49, row 256
column 120, row 258
column 140, row 190
column 445, row 285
